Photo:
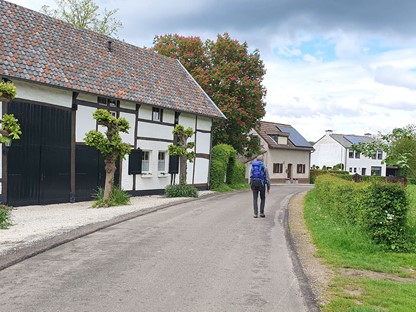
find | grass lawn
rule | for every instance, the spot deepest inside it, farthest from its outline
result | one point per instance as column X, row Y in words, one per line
column 377, row 280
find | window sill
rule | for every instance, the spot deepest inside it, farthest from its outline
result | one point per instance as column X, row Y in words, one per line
column 147, row 175
column 162, row 175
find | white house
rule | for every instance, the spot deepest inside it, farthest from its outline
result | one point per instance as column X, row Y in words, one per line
column 333, row 149
column 285, row 151
column 63, row 74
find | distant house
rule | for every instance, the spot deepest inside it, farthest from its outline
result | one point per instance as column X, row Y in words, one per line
column 286, row 153
column 333, row 149
column 63, row 74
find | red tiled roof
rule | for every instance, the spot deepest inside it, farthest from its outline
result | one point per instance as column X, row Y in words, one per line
column 45, row 50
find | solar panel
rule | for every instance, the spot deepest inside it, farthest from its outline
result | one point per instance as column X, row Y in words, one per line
column 354, row 139
column 295, row 137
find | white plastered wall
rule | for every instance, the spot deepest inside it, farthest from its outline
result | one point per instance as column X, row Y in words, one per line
column 43, row 94
column 327, row 152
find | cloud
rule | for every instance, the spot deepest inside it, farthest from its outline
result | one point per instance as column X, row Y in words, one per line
column 388, row 75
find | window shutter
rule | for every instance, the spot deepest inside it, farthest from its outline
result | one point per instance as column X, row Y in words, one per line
column 173, row 164
column 135, row 161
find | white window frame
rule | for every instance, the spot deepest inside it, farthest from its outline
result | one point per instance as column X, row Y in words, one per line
column 146, row 162
column 161, row 163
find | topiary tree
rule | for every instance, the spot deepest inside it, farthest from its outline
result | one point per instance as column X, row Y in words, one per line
column 181, row 149
column 110, row 146
column 10, row 127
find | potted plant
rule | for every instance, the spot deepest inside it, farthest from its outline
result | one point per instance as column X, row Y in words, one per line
column 7, row 91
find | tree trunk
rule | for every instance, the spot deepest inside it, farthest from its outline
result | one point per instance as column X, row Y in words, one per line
column 182, row 169
column 110, row 170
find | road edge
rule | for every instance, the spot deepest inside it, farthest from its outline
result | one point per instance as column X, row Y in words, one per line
column 308, row 295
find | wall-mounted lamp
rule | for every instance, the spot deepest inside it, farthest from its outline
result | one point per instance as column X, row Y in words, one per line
column 8, row 143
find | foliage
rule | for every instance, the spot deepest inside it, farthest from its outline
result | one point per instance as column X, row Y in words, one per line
column 181, row 149
column 384, row 209
column 379, row 209
column 85, row 14
column 345, row 245
column 110, row 146
column 231, row 76
column 181, row 190
column 315, row 171
column 5, row 216
column 118, row 197
column 339, row 166
column 225, row 169
column 7, row 90
column 10, row 128
column 399, row 147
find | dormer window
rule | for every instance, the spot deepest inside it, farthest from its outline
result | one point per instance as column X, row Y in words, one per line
column 274, row 137
column 281, row 140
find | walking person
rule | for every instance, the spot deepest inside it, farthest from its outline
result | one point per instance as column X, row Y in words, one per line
column 259, row 182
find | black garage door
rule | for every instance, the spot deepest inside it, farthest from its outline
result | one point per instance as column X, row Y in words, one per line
column 39, row 163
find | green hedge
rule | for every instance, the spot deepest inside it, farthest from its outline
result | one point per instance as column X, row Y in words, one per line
column 225, row 169
column 380, row 209
column 339, row 173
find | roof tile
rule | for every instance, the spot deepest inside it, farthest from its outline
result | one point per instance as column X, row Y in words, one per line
column 39, row 48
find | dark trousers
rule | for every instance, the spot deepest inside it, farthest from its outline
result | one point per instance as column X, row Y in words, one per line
column 256, row 192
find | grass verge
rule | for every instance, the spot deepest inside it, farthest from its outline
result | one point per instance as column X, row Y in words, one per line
column 376, row 280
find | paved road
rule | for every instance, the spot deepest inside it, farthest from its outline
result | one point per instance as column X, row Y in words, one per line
column 206, row 255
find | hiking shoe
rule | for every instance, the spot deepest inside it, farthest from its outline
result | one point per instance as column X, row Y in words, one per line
column 255, row 216
column 262, row 215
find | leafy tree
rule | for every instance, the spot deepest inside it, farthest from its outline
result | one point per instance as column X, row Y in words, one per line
column 231, row 76
column 399, row 147
column 110, row 146
column 10, row 127
column 85, row 14
column 181, row 148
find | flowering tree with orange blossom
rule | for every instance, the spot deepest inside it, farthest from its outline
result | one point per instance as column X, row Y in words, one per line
column 231, row 76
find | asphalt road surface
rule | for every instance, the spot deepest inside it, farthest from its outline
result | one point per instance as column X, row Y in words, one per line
column 205, row 255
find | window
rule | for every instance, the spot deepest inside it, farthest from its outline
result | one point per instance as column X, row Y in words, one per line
column 363, row 171
column 161, row 162
column 375, row 171
column 379, row 154
column 301, row 168
column 157, row 114
column 278, row 168
column 353, row 154
column 274, row 137
column 350, row 170
column 355, row 170
column 146, row 161
column 111, row 104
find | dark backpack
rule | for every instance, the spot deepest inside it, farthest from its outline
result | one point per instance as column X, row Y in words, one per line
column 257, row 174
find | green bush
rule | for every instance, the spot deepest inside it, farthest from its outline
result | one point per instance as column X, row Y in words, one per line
column 238, row 174
column 380, row 209
column 226, row 173
column 5, row 217
column 340, row 197
column 118, row 197
column 384, row 209
column 339, row 173
column 181, row 190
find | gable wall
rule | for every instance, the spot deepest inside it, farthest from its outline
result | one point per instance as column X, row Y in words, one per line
column 328, row 152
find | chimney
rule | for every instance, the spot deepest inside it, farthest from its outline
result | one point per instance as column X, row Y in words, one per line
column 328, row 132
column 110, row 48
column 367, row 134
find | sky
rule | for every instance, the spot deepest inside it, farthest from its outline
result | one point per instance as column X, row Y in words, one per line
column 342, row 65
